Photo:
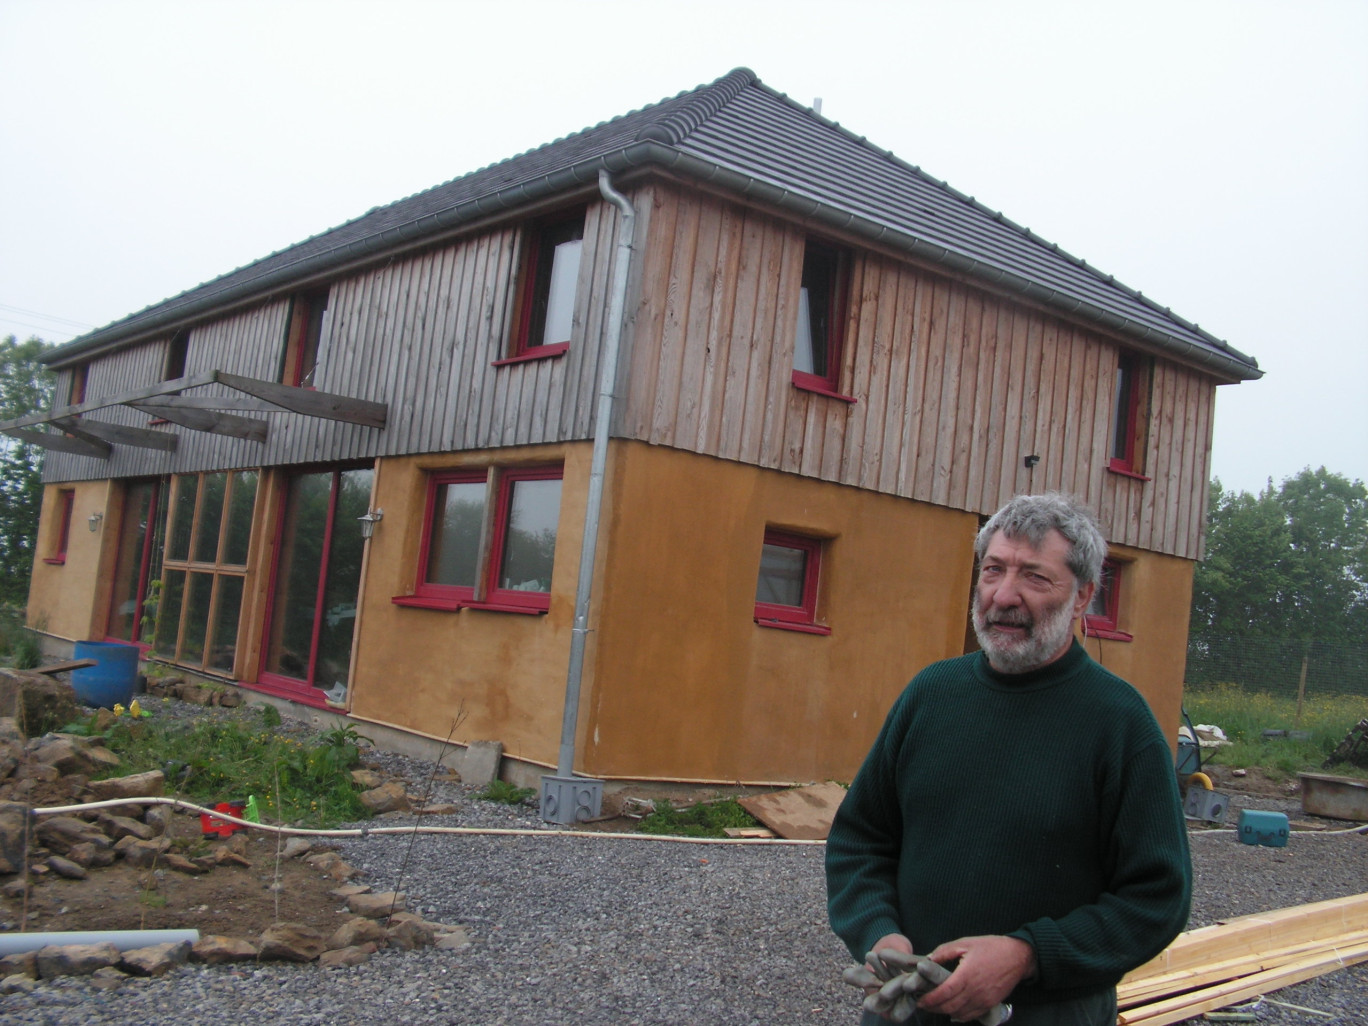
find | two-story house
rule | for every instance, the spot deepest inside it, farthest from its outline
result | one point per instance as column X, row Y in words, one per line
column 361, row 473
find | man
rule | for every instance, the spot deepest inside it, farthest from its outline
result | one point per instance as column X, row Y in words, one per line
column 1018, row 815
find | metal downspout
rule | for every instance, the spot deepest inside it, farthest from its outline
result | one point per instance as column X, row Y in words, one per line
column 566, row 798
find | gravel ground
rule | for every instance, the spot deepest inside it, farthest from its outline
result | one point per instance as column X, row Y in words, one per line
column 615, row 932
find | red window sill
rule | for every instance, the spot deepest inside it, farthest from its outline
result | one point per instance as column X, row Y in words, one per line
column 55, row 560
column 1105, row 633
column 819, row 386
column 792, row 625
column 536, row 353
column 454, row 605
column 1120, row 468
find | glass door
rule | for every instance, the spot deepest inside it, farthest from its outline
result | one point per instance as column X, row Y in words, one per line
column 312, row 612
column 137, row 567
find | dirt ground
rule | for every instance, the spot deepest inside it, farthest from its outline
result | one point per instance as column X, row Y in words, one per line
column 231, row 900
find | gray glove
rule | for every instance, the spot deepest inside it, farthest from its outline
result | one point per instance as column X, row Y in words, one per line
column 900, row 977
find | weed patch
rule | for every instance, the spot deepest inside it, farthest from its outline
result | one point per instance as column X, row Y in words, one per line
column 707, row 819
column 504, row 792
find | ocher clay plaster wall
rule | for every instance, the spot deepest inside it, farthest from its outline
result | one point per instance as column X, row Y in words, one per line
column 504, row 673
column 687, row 686
column 68, row 599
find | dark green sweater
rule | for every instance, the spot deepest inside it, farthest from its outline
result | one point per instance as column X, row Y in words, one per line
column 1043, row 806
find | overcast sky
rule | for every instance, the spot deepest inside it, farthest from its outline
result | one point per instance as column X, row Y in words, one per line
column 1212, row 154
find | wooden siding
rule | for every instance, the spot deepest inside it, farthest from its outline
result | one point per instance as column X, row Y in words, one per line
column 420, row 334
column 953, row 386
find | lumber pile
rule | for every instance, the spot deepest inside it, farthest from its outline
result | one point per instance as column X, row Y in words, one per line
column 1239, row 959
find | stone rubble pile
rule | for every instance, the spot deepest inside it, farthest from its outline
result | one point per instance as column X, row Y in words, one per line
column 56, row 769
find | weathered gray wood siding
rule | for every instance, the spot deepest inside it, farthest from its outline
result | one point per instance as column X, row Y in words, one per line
column 953, row 385
column 419, row 334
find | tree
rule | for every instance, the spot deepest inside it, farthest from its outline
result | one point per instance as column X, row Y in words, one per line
column 25, row 387
column 1285, row 579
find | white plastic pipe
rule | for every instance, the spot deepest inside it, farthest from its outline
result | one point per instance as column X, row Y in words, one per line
column 124, row 940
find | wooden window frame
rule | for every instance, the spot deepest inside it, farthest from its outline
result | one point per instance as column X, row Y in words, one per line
column 802, row 617
column 66, row 497
column 826, row 272
column 1130, row 417
column 1106, row 623
column 303, row 338
column 534, row 285
column 485, row 594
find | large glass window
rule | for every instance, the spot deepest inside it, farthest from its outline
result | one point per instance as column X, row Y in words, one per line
column 137, row 583
column 489, row 539
column 202, row 575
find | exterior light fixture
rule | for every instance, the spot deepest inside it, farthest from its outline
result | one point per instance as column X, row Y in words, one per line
column 1030, row 461
column 368, row 521
column 93, row 521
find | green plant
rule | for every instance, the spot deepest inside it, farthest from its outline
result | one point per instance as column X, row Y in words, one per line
column 503, row 791
column 707, row 819
column 270, row 716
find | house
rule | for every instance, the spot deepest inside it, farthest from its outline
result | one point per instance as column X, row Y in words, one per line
column 367, row 473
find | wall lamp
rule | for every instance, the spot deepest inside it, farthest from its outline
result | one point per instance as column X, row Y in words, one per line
column 368, row 521
column 1030, row 461
column 93, row 521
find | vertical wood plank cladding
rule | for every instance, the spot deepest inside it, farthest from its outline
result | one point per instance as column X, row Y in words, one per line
column 766, row 349
column 916, row 386
column 875, row 369
column 996, row 451
column 902, row 349
column 967, row 407
column 679, row 293
column 721, row 313
column 650, row 315
column 772, row 364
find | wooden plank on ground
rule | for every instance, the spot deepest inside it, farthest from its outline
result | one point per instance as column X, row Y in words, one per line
column 70, row 664
column 802, row 813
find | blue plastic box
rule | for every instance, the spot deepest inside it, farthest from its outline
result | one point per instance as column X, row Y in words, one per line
column 1266, row 828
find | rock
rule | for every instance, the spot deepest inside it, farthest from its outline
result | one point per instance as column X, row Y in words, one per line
column 453, row 939
column 119, row 827
column 66, row 868
column 64, row 755
column 229, row 698
column 407, row 931
column 226, row 856
column 389, row 797
column 295, row 847
column 292, row 942
column 22, row 962
column 104, row 719
column 31, row 769
column 321, row 860
column 342, row 957
column 158, row 818
column 38, row 702
column 75, row 959
column 141, row 853
column 377, row 906
column 14, row 889
column 441, row 809
column 17, row 983
column 171, row 860
column 101, row 758
column 151, row 784
column 13, row 830
column 196, row 694
column 347, row 890
column 62, row 833
column 480, row 766
column 215, row 949
column 86, row 854
column 366, row 778
column 156, row 960
column 108, row 978
column 342, row 871
column 357, row 931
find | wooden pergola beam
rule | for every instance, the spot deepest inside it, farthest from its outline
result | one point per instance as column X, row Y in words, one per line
column 326, row 405
column 119, row 434
column 212, row 421
column 60, row 443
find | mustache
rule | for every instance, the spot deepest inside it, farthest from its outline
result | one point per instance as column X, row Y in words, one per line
column 1011, row 618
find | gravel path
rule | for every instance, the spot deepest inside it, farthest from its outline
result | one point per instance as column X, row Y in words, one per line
column 595, row 931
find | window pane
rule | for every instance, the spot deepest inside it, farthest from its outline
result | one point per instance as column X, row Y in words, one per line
column 197, row 598
column 560, row 297
column 802, row 346
column 297, row 575
column 226, row 614
column 124, row 611
column 343, row 580
column 458, row 510
column 182, row 517
column 210, row 517
column 530, row 541
column 239, row 533
column 168, row 612
column 783, row 571
column 1121, row 426
column 813, row 344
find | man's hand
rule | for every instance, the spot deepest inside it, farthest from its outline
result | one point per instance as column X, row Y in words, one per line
column 989, row 967
column 894, row 942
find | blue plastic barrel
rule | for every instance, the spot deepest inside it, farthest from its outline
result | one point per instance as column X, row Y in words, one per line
column 112, row 679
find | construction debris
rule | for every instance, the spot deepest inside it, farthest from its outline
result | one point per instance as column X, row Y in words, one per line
column 798, row 814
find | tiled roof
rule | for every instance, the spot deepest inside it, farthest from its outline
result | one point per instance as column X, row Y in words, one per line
column 742, row 136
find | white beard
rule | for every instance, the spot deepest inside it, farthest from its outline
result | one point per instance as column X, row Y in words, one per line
column 1042, row 640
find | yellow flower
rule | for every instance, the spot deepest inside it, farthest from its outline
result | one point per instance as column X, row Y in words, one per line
column 118, row 709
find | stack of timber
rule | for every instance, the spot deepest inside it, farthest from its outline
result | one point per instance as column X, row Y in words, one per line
column 1239, row 959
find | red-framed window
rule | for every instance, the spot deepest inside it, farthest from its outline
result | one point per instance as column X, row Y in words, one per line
column 1130, row 416
column 1102, row 618
column 786, row 586
column 303, row 332
column 66, row 501
column 549, row 282
column 76, row 391
column 820, row 330
column 489, row 539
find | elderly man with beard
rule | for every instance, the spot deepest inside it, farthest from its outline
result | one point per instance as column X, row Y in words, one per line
column 1017, row 819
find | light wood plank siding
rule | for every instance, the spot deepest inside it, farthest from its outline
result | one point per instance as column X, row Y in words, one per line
column 953, row 385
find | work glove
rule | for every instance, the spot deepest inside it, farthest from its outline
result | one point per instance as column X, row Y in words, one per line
column 900, row 977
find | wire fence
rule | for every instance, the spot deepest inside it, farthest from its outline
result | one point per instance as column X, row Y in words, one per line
column 1284, row 667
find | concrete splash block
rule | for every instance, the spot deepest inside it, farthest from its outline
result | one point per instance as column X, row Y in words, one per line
column 481, row 763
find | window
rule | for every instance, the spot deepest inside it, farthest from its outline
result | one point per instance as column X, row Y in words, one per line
column 550, row 275
column 137, row 567
column 786, row 589
column 1102, row 618
column 489, row 539
column 176, row 352
column 821, row 319
column 303, row 331
column 66, row 500
column 199, row 600
column 76, row 386
column 1130, row 416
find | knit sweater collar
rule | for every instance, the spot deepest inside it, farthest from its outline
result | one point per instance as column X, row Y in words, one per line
column 1057, row 672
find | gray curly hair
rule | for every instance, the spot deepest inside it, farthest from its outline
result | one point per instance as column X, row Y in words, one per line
column 1032, row 517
